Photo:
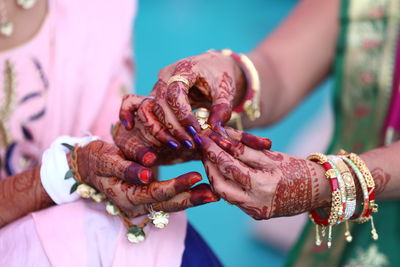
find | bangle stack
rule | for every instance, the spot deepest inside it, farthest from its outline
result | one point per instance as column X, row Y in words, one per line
column 341, row 171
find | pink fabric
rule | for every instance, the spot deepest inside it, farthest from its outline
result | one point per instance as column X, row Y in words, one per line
column 76, row 66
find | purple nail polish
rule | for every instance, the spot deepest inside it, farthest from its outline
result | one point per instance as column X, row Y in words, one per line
column 197, row 139
column 173, row 145
column 125, row 123
column 224, row 131
column 218, row 123
column 188, row 144
column 192, row 130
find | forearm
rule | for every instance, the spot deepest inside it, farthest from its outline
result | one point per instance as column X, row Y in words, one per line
column 295, row 58
column 384, row 164
column 20, row 194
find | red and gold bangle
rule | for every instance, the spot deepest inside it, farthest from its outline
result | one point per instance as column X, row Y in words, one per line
column 342, row 189
column 371, row 207
column 336, row 206
column 251, row 102
column 368, row 187
column 319, row 216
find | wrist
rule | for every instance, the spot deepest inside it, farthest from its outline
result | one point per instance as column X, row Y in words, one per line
column 321, row 196
column 240, row 84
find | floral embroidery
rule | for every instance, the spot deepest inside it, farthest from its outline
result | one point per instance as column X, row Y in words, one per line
column 369, row 257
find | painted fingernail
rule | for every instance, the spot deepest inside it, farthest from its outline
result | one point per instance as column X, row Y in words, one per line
column 218, row 123
column 149, row 158
column 145, row 175
column 197, row 139
column 192, row 130
column 195, row 180
column 173, row 145
column 188, row 144
column 125, row 123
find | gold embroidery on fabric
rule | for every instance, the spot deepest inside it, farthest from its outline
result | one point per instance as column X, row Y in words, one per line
column 8, row 103
column 369, row 257
column 368, row 71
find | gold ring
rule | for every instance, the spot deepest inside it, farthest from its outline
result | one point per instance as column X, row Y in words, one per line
column 202, row 115
column 177, row 78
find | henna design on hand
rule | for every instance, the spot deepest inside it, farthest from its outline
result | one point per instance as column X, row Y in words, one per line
column 381, row 179
column 293, row 194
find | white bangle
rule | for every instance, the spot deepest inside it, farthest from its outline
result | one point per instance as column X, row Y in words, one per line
column 55, row 165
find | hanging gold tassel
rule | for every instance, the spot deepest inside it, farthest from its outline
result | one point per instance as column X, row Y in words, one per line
column 329, row 236
column 317, row 236
column 347, row 234
column 374, row 233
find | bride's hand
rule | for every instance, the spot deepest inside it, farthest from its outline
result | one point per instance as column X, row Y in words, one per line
column 132, row 186
column 149, row 139
column 262, row 183
column 214, row 81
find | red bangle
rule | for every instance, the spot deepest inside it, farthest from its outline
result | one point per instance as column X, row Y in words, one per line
column 320, row 216
column 251, row 102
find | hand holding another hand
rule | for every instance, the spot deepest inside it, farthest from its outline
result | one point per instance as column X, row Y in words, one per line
column 132, row 186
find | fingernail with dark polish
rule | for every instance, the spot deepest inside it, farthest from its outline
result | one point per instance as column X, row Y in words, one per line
column 144, row 176
column 197, row 139
column 192, row 130
column 188, row 144
column 173, row 145
column 218, row 123
column 125, row 123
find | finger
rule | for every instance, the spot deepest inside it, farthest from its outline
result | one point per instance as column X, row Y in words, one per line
column 222, row 100
column 135, row 148
column 152, row 127
column 162, row 191
column 229, row 167
column 258, row 143
column 178, row 102
column 130, row 104
column 198, row 195
column 253, row 158
column 223, row 187
column 167, row 118
column 114, row 165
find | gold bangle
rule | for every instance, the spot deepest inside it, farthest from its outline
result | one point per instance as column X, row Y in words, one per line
column 349, row 186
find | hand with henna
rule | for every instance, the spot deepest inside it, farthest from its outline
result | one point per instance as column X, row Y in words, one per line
column 262, row 183
column 215, row 82
column 131, row 186
column 146, row 141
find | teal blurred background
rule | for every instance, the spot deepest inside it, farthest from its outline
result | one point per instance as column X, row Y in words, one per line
column 166, row 31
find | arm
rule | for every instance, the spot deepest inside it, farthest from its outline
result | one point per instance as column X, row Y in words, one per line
column 295, row 58
column 20, row 194
column 384, row 164
column 127, row 184
column 267, row 184
column 291, row 62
